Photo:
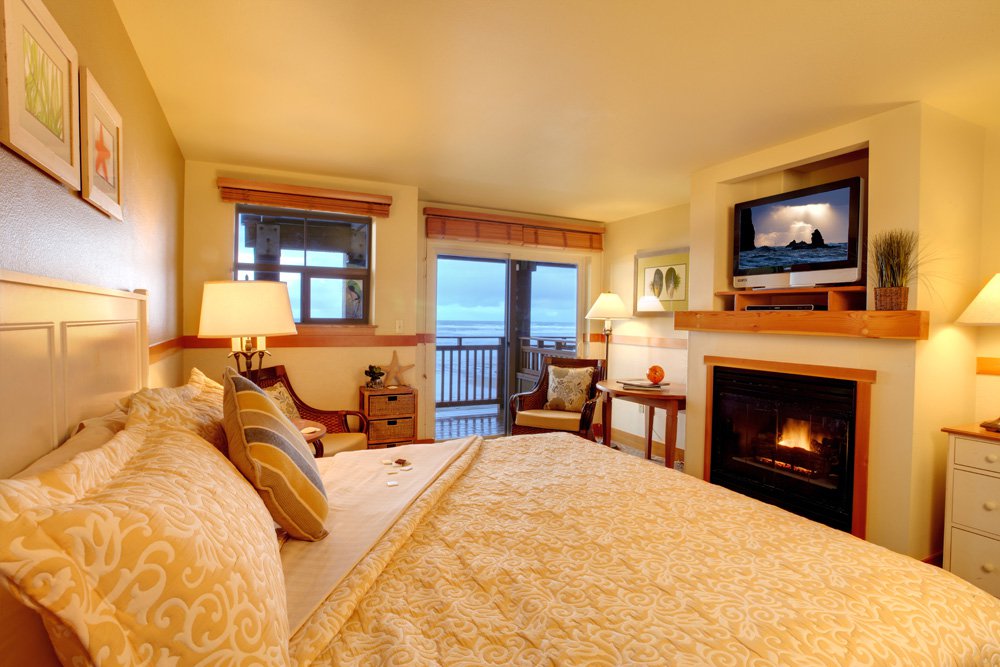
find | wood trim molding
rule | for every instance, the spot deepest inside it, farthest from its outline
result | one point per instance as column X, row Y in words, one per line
column 456, row 225
column 646, row 341
column 638, row 443
column 163, row 349
column 834, row 372
column 987, row 365
column 303, row 197
column 895, row 324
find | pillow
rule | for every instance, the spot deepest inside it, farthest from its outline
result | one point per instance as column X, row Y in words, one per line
column 89, row 434
column 149, row 550
column 271, row 453
column 197, row 407
column 568, row 388
column 283, row 398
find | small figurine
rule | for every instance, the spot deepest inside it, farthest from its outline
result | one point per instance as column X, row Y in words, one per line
column 374, row 374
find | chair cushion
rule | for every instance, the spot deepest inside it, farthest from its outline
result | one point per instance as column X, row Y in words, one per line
column 568, row 388
column 274, row 457
column 280, row 395
column 334, row 443
column 556, row 420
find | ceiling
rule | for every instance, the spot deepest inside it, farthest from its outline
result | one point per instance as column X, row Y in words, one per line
column 579, row 108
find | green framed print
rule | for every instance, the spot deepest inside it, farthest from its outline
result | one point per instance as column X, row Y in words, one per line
column 101, row 132
column 39, row 98
column 662, row 275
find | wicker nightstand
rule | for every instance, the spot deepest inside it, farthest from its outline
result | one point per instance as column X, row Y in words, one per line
column 391, row 413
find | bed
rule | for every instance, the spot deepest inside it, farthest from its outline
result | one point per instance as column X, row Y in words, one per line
column 150, row 547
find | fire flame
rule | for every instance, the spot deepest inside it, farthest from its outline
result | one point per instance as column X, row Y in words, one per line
column 795, row 433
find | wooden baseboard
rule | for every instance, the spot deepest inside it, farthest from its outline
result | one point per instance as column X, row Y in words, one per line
column 935, row 559
column 633, row 441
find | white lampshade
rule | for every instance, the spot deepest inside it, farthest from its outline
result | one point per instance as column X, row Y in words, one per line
column 985, row 308
column 649, row 304
column 245, row 308
column 609, row 306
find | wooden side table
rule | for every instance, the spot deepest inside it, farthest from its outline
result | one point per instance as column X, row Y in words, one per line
column 315, row 432
column 672, row 398
column 391, row 413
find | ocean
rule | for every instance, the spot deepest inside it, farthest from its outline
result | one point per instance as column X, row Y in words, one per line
column 766, row 256
column 476, row 328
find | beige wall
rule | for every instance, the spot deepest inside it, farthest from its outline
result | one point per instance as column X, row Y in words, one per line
column 47, row 230
column 924, row 175
column 988, row 386
column 665, row 229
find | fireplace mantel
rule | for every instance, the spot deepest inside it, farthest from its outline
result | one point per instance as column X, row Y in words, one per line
column 892, row 324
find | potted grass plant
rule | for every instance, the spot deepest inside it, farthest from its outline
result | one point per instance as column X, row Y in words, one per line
column 894, row 255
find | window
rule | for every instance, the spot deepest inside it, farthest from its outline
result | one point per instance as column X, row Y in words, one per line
column 323, row 257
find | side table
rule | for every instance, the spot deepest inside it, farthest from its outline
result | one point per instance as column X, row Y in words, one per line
column 312, row 432
column 671, row 398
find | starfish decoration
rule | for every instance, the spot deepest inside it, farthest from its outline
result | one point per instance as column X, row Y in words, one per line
column 394, row 371
column 102, row 155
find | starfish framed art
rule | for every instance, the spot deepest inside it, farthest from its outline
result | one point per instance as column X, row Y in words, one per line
column 101, row 132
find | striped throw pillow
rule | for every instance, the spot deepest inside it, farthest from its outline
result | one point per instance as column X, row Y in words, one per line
column 274, row 457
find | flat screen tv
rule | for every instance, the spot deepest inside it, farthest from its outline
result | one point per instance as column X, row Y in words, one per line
column 803, row 238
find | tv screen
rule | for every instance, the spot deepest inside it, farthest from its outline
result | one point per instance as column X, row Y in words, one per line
column 807, row 233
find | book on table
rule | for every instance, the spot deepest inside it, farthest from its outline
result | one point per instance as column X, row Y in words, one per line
column 642, row 384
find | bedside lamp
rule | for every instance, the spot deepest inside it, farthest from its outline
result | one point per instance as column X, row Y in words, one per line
column 985, row 311
column 246, row 311
column 609, row 306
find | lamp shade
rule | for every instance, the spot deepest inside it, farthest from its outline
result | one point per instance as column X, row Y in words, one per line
column 985, row 308
column 242, row 308
column 609, row 306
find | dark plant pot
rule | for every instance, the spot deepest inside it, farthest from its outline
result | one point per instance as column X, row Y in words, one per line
column 891, row 298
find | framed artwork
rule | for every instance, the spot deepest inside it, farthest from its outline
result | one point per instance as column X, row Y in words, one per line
column 101, row 132
column 39, row 94
column 662, row 274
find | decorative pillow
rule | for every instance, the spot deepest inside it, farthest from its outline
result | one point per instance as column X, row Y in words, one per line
column 271, row 453
column 281, row 396
column 568, row 388
column 197, row 407
column 149, row 550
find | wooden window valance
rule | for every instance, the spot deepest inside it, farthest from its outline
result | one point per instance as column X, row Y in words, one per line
column 453, row 225
column 281, row 195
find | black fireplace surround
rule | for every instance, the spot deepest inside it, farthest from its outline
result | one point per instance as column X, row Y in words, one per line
column 787, row 440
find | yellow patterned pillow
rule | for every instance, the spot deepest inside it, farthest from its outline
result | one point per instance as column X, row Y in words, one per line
column 568, row 388
column 197, row 407
column 271, row 453
column 149, row 550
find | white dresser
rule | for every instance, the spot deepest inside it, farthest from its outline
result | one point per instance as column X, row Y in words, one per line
column 972, row 507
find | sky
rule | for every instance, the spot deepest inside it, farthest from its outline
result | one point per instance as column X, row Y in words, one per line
column 475, row 290
column 777, row 224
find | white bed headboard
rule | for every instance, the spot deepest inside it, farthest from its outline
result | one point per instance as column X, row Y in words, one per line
column 67, row 352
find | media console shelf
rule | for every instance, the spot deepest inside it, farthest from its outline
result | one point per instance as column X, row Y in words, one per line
column 848, row 297
column 845, row 315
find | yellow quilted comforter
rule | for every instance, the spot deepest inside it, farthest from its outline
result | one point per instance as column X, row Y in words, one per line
column 550, row 550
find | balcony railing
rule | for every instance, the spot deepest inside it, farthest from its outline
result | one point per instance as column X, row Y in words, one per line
column 470, row 369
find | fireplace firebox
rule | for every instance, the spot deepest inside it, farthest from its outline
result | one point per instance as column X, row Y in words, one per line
column 787, row 440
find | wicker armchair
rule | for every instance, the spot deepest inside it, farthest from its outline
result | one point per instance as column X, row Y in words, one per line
column 339, row 437
column 532, row 402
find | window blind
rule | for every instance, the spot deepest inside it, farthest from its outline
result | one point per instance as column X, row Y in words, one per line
column 302, row 197
column 455, row 225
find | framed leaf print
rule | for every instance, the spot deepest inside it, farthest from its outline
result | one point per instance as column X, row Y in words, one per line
column 662, row 274
column 101, row 132
column 39, row 97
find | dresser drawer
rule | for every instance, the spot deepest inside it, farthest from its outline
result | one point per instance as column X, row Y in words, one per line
column 977, row 454
column 976, row 559
column 976, row 501
column 390, row 405
column 390, row 430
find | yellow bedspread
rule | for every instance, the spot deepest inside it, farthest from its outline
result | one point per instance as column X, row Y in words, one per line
column 551, row 550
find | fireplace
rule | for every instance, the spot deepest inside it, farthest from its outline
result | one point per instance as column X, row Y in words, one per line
column 789, row 440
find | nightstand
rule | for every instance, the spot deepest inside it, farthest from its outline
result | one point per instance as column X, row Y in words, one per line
column 391, row 413
column 972, row 507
